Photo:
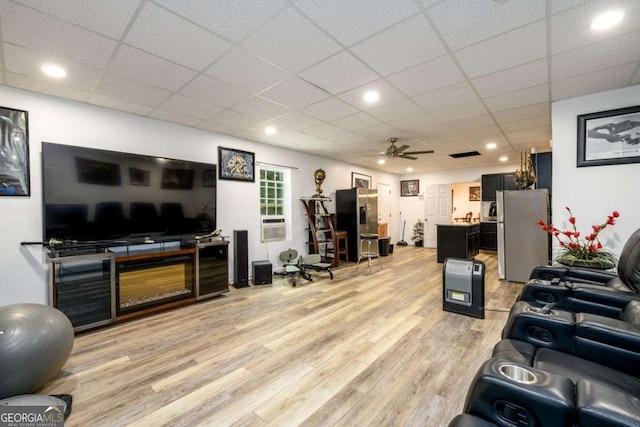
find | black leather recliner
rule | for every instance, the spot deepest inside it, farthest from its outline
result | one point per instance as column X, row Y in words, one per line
column 586, row 290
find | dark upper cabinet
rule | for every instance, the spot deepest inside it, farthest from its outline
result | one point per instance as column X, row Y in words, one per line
column 490, row 184
column 542, row 163
column 509, row 181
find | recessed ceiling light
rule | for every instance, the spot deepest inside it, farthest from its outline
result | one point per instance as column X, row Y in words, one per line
column 409, row 169
column 491, row 145
column 54, row 71
column 503, row 158
column 270, row 130
column 371, row 96
column 607, row 20
column 381, row 162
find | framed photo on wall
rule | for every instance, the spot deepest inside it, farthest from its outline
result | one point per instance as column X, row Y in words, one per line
column 474, row 194
column 359, row 180
column 139, row 177
column 14, row 153
column 609, row 137
column 409, row 188
column 236, row 165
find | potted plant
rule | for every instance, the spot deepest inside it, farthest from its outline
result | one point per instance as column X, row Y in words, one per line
column 585, row 252
column 418, row 233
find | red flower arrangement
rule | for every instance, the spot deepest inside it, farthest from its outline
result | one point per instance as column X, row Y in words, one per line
column 588, row 251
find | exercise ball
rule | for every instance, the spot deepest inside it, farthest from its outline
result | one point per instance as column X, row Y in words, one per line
column 35, row 343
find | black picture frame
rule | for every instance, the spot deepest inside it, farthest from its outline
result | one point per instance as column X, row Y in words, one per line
column 209, row 178
column 609, row 137
column 15, row 178
column 236, row 165
column 359, row 180
column 90, row 171
column 474, row 194
column 410, row 188
column 139, row 177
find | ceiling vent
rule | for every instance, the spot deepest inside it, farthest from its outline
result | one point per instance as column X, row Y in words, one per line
column 467, row 154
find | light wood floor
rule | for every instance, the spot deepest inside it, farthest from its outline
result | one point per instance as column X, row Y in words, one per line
column 364, row 349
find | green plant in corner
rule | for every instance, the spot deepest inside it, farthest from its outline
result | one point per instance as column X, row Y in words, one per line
column 586, row 252
column 418, row 232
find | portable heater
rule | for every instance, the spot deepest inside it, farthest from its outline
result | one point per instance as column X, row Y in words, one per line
column 463, row 287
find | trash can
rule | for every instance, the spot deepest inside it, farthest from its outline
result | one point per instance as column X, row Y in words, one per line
column 390, row 248
column 383, row 245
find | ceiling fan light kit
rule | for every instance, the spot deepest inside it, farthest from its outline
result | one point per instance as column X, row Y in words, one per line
column 394, row 152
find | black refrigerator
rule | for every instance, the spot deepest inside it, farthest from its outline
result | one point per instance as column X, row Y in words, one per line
column 356, row 213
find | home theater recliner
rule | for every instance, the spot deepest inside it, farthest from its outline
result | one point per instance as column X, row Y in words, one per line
column 570, row 353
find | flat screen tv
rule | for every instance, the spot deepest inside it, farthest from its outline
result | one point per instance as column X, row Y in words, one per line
column 97, row 195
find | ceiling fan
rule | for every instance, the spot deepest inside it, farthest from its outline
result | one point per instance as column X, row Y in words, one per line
column 394, row 152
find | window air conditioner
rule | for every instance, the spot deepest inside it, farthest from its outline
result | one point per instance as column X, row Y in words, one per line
column 273, row 229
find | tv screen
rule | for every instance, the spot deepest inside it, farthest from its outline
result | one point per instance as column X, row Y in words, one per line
column 91, row 194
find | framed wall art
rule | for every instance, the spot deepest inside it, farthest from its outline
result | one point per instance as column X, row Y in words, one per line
column 359, row 180
column 139, row 177
column 409, row 188
column 609, row 137
column 14, row 153
column 474, row 194
column 177, row 179
column 236, row 165
column 95, row 172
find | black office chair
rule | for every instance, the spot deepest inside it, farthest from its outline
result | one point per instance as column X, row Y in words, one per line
column 109, row 220
column 144, row 217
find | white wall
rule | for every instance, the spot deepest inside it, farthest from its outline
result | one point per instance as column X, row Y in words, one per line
column 594, row 192
column 23, row 270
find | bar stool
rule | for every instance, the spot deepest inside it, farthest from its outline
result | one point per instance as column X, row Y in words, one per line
column 341, row 249
column 372, row 251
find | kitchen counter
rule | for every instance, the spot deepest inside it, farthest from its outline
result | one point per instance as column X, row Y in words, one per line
column 459, row 224
column 461, row 240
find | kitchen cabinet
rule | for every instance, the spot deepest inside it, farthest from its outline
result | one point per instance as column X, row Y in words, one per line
column 495, row 182
column 509, row 181
column 458, row 241
column 542, row 163
column 489, row 236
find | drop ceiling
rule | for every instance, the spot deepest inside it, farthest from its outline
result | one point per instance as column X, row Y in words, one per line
column 453, row 75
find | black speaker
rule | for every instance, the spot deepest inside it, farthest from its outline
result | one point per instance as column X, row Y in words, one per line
column 240, row 259
column 261, row 272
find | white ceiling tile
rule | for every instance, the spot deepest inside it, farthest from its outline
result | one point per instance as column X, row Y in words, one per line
column 215, row 127
column 429, row 3
column 560, row 5
column 388, row 94
column 296, row 121
column 261, row 108
column 544, row 132
column 436, row 132
column 169, row 116
column 460, row 112
column 381, row 132
column 347, row 138
column 519, row 98
column 214, row 91
column 339, row 73
column 461, row 93
column 352, row 21
column 56, row 38
column 128, row 90
column 516, row 47
column 599, row 81
column 164, row 34
column 426, row 77
column 186, row 106
column 109, row 18
column 395, row 111
column 46, row 86
column 118, row 104
column 402, row 46
column 295, row 93
column 28, row 62
column 527, row 124
column 329, row 109
column 463, row 22
column 291, row 42
column 519, row 77
column 234, row 119
column 138, row 65
column 356, row 121
column 609, row 53
column 477, row 122
column 242, row 68
column 522, row 113
column 419, row 125
column 230, row 18
column 570, row 29
column 324, row 130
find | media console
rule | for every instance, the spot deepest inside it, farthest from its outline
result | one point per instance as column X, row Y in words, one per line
column 105, row 284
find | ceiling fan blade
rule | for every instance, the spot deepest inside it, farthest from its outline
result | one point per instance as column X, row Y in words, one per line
column 402, row 148
column 404, row 156
column 419, row 152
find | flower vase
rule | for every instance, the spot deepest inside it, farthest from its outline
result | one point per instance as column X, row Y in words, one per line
column 597, row 263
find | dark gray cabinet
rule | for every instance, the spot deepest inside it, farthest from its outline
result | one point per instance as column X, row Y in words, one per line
column 458, row 241
column 489, row 236
column 495, row 182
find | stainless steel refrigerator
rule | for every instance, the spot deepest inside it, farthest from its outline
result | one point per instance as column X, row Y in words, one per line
column 522, row 244
column 356, row 213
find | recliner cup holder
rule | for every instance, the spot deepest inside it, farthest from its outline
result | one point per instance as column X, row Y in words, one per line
column 538, row 310
column 518, row 374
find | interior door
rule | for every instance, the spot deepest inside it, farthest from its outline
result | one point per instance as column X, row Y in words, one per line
column 384, row 205
column 437, row 210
